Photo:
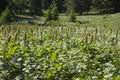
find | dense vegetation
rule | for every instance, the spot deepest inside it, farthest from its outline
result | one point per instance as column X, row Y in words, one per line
column 75, row 51
column 59, row 40
column 51, row 8
column 79, row 5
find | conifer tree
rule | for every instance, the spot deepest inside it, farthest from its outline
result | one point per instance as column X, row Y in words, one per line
column 52, row 12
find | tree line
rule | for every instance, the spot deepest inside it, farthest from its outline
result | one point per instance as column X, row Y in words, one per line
column 80, row 6
column 9, row 8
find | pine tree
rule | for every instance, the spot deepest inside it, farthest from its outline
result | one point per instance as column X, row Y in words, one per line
column 52, row 12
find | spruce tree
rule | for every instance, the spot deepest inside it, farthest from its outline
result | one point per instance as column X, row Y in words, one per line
column 52, row 12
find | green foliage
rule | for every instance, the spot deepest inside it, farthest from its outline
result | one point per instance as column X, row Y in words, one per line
column 72, row 16
column 35, row 7
column 52, row 13
column 106, row 6
column 6, row 16
column 74, row 52
column 47, row 14
column 78, row 5
column 79, row 52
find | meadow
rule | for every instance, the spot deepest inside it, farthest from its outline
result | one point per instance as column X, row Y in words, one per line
column 86, row 50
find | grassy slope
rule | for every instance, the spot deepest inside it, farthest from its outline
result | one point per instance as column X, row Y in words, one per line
column 91, row 20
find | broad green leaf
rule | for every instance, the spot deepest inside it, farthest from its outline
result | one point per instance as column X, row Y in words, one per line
column 49, row 75
column 58, row 66
column 12, row 51
column 53, row 57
